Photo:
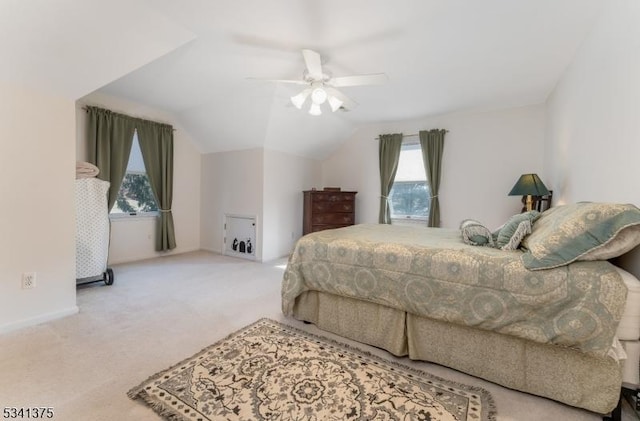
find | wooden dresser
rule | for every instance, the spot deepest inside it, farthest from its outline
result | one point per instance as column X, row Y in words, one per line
column 327, row 209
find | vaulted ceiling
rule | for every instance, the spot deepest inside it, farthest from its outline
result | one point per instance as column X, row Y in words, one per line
column 195, row 58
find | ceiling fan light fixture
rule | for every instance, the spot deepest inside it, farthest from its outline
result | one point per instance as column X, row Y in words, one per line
column 322, row 86
column 319, row 96
column 335, row 103
column 315, row 109
column 299, row 100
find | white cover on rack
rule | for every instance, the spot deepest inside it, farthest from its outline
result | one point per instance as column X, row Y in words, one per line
column 92, row 227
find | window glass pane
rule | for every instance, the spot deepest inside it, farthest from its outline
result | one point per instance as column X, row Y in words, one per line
column 136, row 163
column 409, row 196
column 410, row 165
column 409, row 199
column 135, row 195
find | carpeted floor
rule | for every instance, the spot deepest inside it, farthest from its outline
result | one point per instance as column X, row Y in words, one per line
column 157, row 313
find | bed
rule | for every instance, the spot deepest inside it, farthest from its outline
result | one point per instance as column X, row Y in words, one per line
column 542, row 315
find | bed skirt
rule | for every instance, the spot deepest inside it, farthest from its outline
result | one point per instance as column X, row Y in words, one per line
column 561, row 374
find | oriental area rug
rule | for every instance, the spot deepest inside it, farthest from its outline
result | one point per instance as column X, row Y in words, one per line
column 271, row 371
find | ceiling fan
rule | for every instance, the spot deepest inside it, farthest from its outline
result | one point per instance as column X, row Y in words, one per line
column 321, row 87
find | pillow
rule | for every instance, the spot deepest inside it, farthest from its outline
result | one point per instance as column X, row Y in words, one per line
column 522, row 230
column 626, row 240
column 588, row 230
column 476, row 234
column 515, row 229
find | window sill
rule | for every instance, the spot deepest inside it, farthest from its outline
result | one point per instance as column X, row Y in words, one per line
column 409, row 221
column 119, row 217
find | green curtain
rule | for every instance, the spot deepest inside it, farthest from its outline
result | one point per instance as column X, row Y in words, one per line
column 432, row 144
column 156, row 145
column 110, row 136
column 389, row 153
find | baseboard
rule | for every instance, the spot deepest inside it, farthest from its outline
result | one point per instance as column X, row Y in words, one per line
column 245, row 256
column 212, row 250
column 42, row 318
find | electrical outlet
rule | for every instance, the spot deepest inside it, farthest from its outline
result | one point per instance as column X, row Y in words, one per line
column 28, row 280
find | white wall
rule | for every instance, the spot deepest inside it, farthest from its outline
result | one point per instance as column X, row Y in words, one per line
column 593, row 116
column 484, row 154
column 134, row 238
column 37, row 216
column 593, row 134
column 286, row 176
column 232, row 183
column 257, row 182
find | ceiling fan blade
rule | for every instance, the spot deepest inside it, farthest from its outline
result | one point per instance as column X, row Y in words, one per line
column 358, row 80
column 296, row 82
column 312, row 61
column 347, row 103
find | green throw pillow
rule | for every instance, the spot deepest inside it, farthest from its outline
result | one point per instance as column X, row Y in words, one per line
column 475, row 234
column 516, row 228
column 572, row 232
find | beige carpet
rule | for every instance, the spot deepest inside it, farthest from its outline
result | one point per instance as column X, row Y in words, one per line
column 158, row 312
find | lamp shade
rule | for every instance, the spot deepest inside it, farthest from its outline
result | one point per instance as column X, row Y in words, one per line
column 529, row 184
column 299, row 100
column 335, row 103
column 315, row 109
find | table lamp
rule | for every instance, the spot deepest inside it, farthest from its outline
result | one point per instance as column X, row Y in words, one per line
column 529, row 185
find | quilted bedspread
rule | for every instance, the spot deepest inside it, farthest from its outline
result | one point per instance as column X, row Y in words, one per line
column 430, row 272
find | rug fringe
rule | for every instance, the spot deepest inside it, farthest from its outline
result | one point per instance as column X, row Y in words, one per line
column 158, row 407
column 138, row 391
column 133, row 392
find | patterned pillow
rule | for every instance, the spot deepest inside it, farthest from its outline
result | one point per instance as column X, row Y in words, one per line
column 522, row 230
column 475, row 234
column 581, row 231
column 515, row 229
column 626, row 240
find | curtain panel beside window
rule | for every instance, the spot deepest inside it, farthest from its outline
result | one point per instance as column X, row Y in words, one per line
column 432, row 144
column 156, row 144
column 389, row 154
column 110, row 136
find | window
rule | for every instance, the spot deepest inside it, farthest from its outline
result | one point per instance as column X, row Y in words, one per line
column 410, row 197
column 135, row 196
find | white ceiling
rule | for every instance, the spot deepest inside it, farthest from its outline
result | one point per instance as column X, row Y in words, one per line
column 72, row 47
column 193, row 58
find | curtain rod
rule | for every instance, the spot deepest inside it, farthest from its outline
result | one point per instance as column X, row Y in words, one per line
column 139, row 118
column 408, row 135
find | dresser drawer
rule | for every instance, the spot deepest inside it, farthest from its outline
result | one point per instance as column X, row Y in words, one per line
column 321, row 207
column 332, row 197
column 332, row 218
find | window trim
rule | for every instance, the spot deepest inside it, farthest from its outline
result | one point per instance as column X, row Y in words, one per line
column 409, row 218
column 410, row 221
column 133, row 215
